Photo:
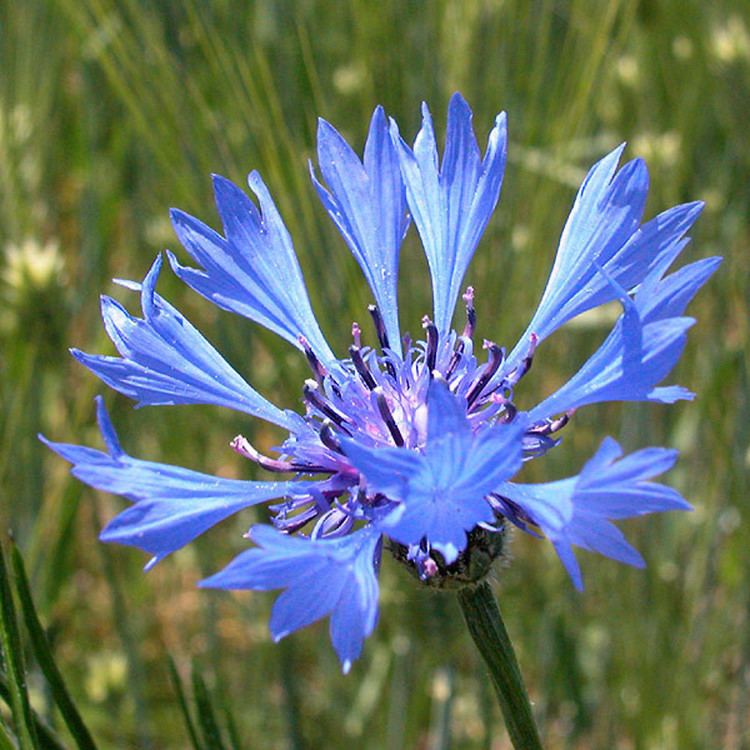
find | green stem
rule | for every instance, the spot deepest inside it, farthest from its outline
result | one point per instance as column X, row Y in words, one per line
column 486, row 626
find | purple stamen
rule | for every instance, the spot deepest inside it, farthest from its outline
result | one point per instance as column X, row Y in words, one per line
column 328, row 437
column 551, row 426
column 317, row 368
column 496, row 356
column 471, row 313
column 357, row 334
column 432, row 343
column 361, row 367
column 513, row 512
column 377, row 319
column 510, row 412
column 526, row 363
column 499, row 405
column 455, row 359
column 242, row 445
column 312, row 395
column 387, row 416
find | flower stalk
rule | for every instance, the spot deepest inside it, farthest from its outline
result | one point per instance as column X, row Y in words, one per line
column 487, row 629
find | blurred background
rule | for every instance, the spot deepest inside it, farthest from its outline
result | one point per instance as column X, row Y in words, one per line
column 112, row 111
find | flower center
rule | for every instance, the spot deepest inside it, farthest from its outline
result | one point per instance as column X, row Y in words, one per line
column 379, row 398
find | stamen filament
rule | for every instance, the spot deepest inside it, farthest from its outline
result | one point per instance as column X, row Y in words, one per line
column 361, row 367
column 387, row 416
column 432, row 343
column 315, row 365
column 553, row 425
column 377, row 319
column 313, row 397
column 455, row 358
column 471, row 313
column 526, row 363
column 242, row 445
column 328, row 437
column 496, row 356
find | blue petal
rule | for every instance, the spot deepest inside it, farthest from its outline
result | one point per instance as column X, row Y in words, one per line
column 321, row 577
column 660, row 298
column 627, row 367
column 603, row 232
column 367, row 204
column 253, row 271
column 441, row 493
column 165, row 360
column 356, row 615
column 172, row 505
column 451, row 204
column 549, row 506
column 446, row 414
column 644, row 345
column 606, row 489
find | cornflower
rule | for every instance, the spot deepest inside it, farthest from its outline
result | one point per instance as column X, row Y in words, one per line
column 411, row 446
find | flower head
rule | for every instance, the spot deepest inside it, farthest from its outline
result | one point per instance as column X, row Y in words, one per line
column 411, row 446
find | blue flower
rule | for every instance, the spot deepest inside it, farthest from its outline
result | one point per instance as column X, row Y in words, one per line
column 407, row 446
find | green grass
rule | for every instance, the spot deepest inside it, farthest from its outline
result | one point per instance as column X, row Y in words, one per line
column 111, row 112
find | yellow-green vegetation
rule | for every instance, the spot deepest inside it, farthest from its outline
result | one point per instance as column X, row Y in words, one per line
column 111, row 111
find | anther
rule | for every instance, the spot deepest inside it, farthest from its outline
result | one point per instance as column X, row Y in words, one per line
column 553, row 425
column 377, row 319
column 526, row 363
column 387, row 417
column 496, row 356
column 313, row 397
column 455, row 359
column 432, row 343
column 510, row 412
column 328, row 437
column 471, row 313
column 317, row 368
column 242, row 445
column 509, row 408
column 357, row 334
column 361, row 367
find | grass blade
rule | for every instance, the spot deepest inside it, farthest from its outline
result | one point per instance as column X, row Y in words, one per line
column 44, row 658
column 234, row 735
column 206, row 716
column 129, row 640
column 6, row 741
column 45, row 736
column 177, row 683
column 10, row 641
